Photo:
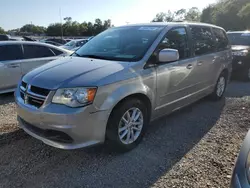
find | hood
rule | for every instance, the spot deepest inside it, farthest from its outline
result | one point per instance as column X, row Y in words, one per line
column 75, row 72
column 239, row 47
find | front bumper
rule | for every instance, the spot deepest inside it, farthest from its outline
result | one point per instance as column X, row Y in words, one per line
column 235, row 182
column 240, row 64
column 61, row 126
column 239, row 177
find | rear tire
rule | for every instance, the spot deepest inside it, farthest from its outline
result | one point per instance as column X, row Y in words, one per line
column 220, row 87
column 127, row 125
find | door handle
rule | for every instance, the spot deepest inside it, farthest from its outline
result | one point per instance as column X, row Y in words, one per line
column 189, row 66
column 215, row 59
column 200, row 63
column 13, row 65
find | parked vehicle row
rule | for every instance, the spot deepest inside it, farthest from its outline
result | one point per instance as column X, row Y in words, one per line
column 4, row 37
column 75, row 44
column 19, row 57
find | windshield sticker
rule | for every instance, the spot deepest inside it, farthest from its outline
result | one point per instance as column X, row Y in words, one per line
column 149, row 28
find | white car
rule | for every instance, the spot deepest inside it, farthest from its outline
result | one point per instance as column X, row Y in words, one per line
column 74, row 44
column 19, row 57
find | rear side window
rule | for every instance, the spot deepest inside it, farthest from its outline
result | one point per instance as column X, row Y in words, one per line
column 10, row 52
column 57, row 52
column 220, row 39
column 36, row 51
column 202, row 39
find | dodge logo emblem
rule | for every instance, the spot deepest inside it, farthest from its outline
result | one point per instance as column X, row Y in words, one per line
column 25, row 98
column 25, row 94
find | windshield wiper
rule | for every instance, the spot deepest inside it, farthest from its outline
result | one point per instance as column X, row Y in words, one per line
column 96, row 57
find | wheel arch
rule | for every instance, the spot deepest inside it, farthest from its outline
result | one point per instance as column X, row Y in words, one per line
column 140, row 96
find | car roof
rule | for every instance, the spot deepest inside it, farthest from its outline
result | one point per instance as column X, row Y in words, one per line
column 31, row 42
column 165, row 24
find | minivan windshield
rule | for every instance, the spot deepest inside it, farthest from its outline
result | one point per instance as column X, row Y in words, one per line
column 122, row 44
column 239, row 38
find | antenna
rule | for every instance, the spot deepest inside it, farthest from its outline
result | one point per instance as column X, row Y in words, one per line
column 61, row 22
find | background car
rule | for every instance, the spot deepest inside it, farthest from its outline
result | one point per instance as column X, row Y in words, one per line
column 57, row 40
column 53, row 43
column 241, row 172
column 4, row 37
column 19, row 57
column 68, row 40
column 75, row 44
column 240, row 41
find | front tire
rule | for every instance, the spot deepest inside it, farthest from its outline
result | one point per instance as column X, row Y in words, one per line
column 127, row 125
column 220, row 87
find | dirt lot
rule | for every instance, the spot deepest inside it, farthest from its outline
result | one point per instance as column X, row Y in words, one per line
column 195, row 147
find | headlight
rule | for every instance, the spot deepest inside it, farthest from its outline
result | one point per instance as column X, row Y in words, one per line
column 74, row 97
column 241, row 53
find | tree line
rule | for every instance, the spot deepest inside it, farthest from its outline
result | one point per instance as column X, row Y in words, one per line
column 74, row 28
column 68, row 28
column 229, row 14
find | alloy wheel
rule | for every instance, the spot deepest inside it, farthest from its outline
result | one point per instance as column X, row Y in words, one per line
column 130, row 126
column 221, row 86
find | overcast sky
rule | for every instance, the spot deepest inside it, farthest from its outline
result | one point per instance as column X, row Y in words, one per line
column 16, row 13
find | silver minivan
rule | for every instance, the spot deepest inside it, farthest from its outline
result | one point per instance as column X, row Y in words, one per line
column 125, row 77
column 19, row 57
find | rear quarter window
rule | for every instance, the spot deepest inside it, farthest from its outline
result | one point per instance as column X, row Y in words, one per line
column 10, row 52
column 36, row 51
column 221, row 39
column 57, row 52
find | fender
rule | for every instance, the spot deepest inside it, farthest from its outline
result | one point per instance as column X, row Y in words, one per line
column 114, row 93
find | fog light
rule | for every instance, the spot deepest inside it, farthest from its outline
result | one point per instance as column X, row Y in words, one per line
column 240, row 63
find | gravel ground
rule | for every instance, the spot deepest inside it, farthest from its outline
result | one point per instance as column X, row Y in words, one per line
column 194, row 147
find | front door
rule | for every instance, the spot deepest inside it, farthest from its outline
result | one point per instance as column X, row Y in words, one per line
column 10, row 70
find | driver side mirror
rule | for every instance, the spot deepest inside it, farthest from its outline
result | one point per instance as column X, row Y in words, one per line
column 168, row 55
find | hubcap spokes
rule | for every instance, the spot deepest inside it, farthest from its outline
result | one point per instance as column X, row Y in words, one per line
column 221, row 86
column 130, row 125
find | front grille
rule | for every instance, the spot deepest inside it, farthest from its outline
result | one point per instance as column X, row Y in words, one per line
column 22, row 95
column 24, row 84
column 32, row 95
column 39, row 90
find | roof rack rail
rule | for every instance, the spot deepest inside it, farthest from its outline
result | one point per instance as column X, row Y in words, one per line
column 179, row 21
